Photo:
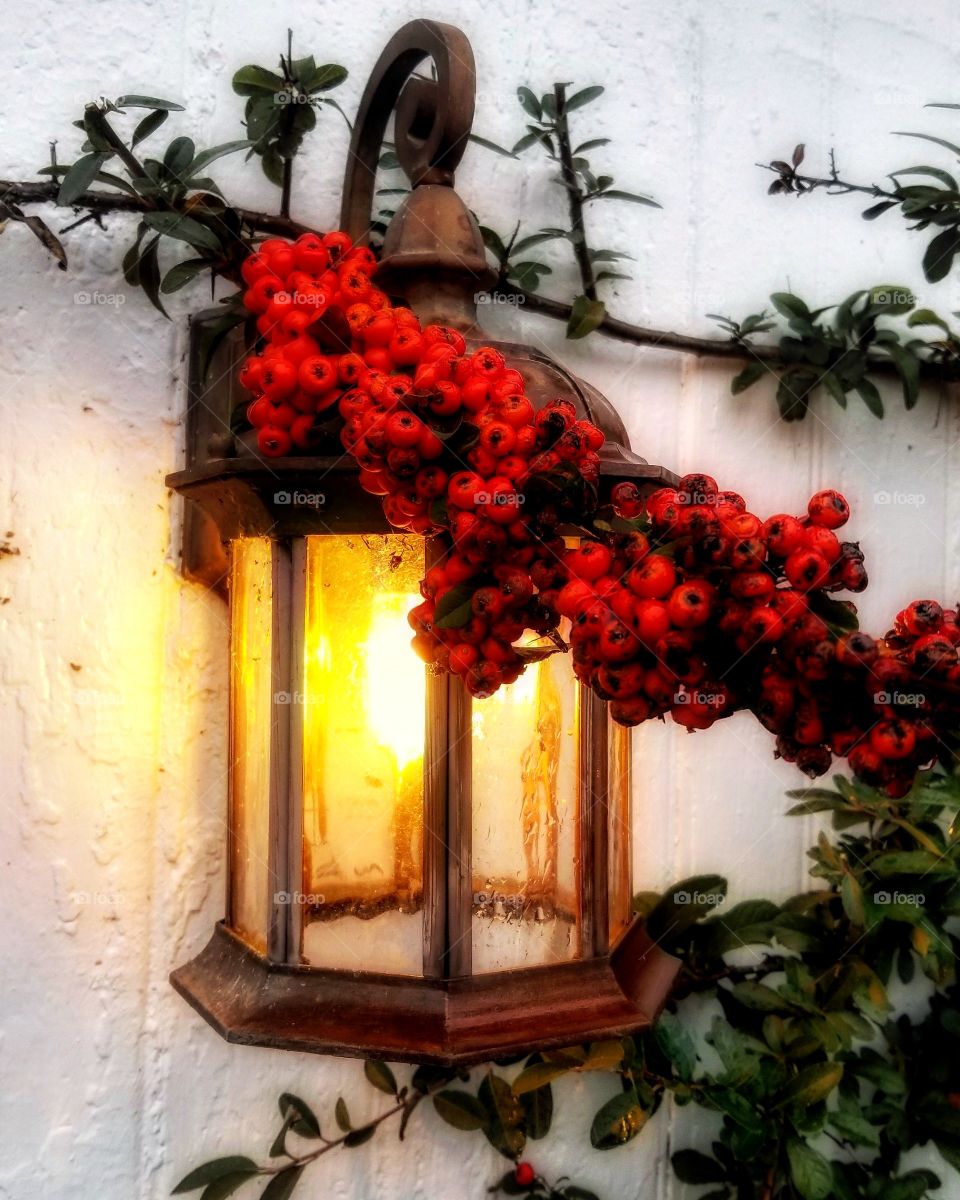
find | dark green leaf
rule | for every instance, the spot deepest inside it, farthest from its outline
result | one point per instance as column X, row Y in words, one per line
column 357, row 1137
column 380, row 1075
column 328, row 76
column 811, row 1172
column 504, row 1124
column 585, row 316
column 342, row 1115
column 149, row 102
column 460, row 1109
column 150, row 124
column 281, row 1186
column 301, row 1116
column 529, row 103
column 618, row 1121
column 877, row 210
column 182, row 274
column 870, row 396
column 251, row 80
column 690, row 1166
column 938, row 258
column 488, row 145
column 747, row 377
column 579, row 99
column 677, row 1045
column 633, row 197
column 217, row 1168
column 453, row 609
column 206, row 157
column 537, row 1111
column 149, row 273
column 812, row 1084
column 184, row 229
column 789, row 305
column 80, row 176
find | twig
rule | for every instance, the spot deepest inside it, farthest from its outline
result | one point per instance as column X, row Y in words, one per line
column 578, row 233
column 813, row 181
column 28, row 192
column 286, row 182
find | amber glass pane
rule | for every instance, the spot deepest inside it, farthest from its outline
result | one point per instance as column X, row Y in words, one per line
column 526, row 821
column 363, row 735
column 618, row 816
column 251, row 715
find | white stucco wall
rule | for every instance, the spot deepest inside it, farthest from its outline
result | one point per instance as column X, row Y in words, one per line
column 112, row 669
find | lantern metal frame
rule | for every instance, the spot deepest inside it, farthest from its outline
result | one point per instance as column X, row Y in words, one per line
column 433, row 257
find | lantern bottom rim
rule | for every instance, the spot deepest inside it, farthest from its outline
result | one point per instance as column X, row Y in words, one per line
column 449, row 1022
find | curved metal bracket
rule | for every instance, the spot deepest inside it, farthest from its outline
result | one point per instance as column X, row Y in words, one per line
column 433, row 117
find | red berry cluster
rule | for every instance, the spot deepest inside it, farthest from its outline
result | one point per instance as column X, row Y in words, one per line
column 685, row 603
column 702, row 608
column 447, row 437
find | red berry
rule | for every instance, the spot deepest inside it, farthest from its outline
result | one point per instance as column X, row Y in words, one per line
column 829, row 509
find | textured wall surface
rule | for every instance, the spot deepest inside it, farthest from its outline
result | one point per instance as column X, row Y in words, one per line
column 112, row 669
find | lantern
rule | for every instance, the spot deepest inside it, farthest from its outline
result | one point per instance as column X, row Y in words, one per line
column 411, row 873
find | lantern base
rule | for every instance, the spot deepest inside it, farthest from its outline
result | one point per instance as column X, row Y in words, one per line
column 443, row 1021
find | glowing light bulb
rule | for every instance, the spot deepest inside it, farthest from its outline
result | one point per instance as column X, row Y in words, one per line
column 395, row 680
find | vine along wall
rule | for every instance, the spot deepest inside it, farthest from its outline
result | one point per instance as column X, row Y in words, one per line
column 113, row 701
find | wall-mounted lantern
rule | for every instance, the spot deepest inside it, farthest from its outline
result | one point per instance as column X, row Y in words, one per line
column 411, row 874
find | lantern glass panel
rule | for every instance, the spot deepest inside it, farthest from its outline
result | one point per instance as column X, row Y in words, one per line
column 252, row 716
column 526, row 876
column 619, row 889
column 363, row 724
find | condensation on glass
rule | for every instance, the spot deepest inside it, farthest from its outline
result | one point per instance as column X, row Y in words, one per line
column 363, row 696
column 251, row 723
column 526, row 861
column 619, row 877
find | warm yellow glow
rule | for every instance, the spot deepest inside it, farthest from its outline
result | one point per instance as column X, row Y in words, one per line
column 396, row 684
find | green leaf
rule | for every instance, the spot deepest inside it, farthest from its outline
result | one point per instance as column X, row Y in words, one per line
column 684, row 904
column 539, row 1075
column 488, row 145
column 891, row 299
column 80, row 176
column 632, row 197
column 910, row 862
column 149, row 275
column 504, row 1124
column 380, row 1075
column 926, row 316
column 537, row 1112
column 690, row 1166
column 593, row 144
column 788, row 305
column 281, row 1186
column 529, row 103
column 184, row 229
column 603, row 1056
column 585, row 316
column 870, row 396
column 342, row 1115
column 453, row 609
column 579, row 99
column 182, row 274
column 618, row 1121
column 149, row 102
column 150, row 124
column 811, row 1173
column 938, row 257
column 301, row 1117
column 759, row 997
column 460, row 1109
column 357, row 1137
column 877, row 210
column 747, row 377
column 206, row 157
column 326, row 77
column 217, row 1168
column 812, row 1084
column 252, row 80
column 677, row 1045
column 909, row 367
column 926, row 137
column 851, row 893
